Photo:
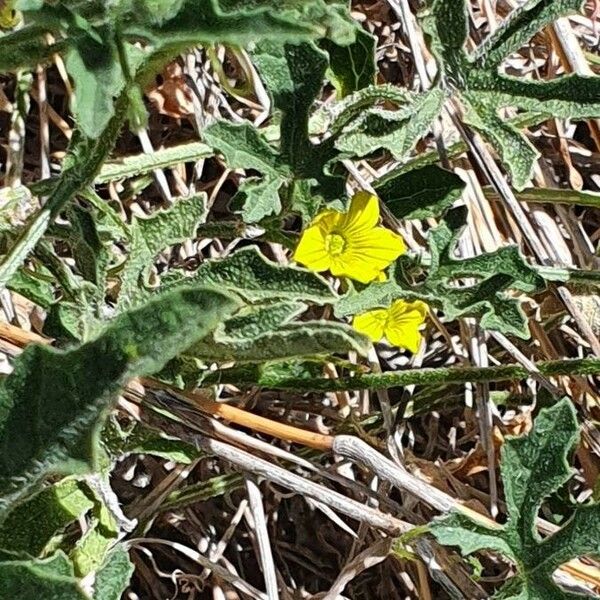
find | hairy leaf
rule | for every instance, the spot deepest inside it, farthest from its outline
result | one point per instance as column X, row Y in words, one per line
column 504, row 261
column 397, row 131
column 31, row 525
column 252, row 276
column 420, row 193
column 90, row 255
column 515, row 150
column 36, row 287
column 287, row 341
column 113, row 577
column 252, row 321
column 243, row 147
column 141, row 439
column 533, row 467
column 294, row 75
column 520, row 26
column 34, row 579
column 239, row 23
column 152, row 235
column 93, row 63
column 446, row 24
column 568, row 97
column 258, row 198
column 92, row 548
column 50, row 406
column 476, row 83
column 351, row 67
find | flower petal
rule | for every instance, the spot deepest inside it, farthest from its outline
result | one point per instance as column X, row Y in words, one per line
column 329, row 220
column 311, row 250
column 362, row 215
column 354, row 267
column 371, row 323
column 379, row 244
column 404, row 322
column 369, row 253
column 403, row 336
column 401, row 309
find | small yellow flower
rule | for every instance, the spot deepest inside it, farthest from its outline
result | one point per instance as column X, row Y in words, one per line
column 350, row 244
column 8, row 16
column 399, row 324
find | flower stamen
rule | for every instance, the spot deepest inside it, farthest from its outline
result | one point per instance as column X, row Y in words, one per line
column 335, row 244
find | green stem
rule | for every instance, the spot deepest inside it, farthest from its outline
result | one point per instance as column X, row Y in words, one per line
column 202, row 491
column 427, row 376
column 551, row 196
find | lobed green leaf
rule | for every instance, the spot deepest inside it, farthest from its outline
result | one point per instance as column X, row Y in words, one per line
column 520, row 26
column 533, row 467
column 249, row 274
column 151, row 235
column 311, row 338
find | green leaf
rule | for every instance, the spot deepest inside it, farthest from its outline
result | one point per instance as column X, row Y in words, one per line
column 243, row 147
column 567, row 97
column 420, row 193
column 159, row 11
column 487, row 299
column 92, row 548
column 252, row 321
column 504, row 261
column 89, row 253
column 515, row 150
column 33, row 579
column 141, row 439
column 396, row 131
column 238, row 23
column 151, row 235
column 35, row 287
column 294, row 76
column 533, row 467
column 258, row 198
column 249, row 274
column 446, row 24
column 77, row 321
column 94, row 65
column 50, row 406
column 31, row 525
column 351, row 67
column 113, row 577
column 475, row 81
column 287, row 341
column 520, row 26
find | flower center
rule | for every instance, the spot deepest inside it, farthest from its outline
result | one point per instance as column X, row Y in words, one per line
column 335, row 244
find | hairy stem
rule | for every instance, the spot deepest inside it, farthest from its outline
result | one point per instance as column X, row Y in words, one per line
column 551, row 368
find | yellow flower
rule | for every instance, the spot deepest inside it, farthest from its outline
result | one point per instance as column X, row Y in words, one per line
column 350, row 244
column 8, row 16
column 399, row 324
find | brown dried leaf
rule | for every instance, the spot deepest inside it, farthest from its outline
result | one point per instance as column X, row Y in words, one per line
column 172, row 97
